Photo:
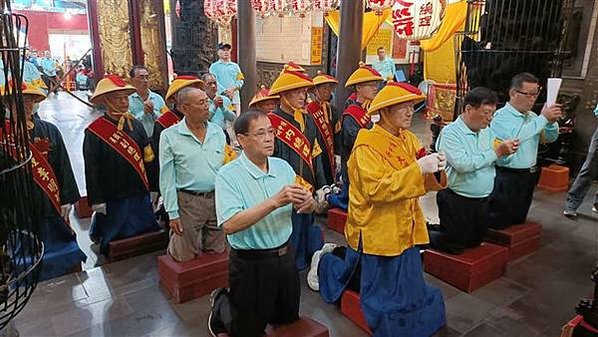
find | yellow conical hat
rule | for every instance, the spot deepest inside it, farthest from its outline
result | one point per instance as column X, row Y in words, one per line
column 262, row 95
column 109, row 84
column 322, row 78
column 289, row 80
column 363, row 74
column 183, row 81
column 395, row 93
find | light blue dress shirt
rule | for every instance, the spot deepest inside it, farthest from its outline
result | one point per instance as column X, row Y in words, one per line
column 386, row 68
column 226, row 76
column 147, row 120
column 508, row 123
column 220, row 115
column 187, row 163
column 471, row 159
column 241, row 185
column 49, row 66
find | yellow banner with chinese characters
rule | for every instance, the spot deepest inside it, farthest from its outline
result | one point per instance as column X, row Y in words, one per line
column 382, row 38
column 317, row 35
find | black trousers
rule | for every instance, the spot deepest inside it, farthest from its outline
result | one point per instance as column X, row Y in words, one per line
column 263, row 290
column 512, row 196
column 463, row 221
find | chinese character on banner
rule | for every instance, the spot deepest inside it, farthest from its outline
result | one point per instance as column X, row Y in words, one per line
column 417, row 19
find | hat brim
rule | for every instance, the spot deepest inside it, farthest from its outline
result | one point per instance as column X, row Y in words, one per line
column 130, row 90
column 325, row 81
column 290, row 87
column 263, row 99
column 38, row 95
column 199, row 84
column 415, row 98
column 363, row 80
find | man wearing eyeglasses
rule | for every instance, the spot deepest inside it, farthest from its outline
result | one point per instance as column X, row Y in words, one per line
column 144, row 104
column 256, row 196
column 191, row 153
column 517, row 175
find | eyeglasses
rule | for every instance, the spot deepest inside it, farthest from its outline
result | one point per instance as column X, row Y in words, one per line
column 528, row 94
column 262, row 134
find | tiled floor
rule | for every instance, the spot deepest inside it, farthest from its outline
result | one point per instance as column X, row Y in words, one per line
column 535, row 298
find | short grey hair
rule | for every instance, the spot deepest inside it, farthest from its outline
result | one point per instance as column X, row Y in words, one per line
column 182, row 96
column 205, row 76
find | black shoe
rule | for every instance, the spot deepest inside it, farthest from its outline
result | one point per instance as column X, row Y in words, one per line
column 215, row 326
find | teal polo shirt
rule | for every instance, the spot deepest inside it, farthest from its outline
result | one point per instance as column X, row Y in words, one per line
column 228, row 76
column 241, row 185
column 508, row 123
column 147, row 120
column 187, row 163
column 470, row 159
column 220, row 115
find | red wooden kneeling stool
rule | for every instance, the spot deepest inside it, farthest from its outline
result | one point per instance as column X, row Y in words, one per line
column 337, row 218
column 304, row 327
column 521, row 240
column 137, row 245
column 471, row 270
column 83, row 209
column 554, row 178
column 351, row 308
column 188, row 280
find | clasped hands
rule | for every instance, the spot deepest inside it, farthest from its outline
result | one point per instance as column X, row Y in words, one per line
column 300, row 197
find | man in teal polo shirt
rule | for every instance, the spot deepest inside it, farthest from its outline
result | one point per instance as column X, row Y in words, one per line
column 255, row 197
column 145, row 105
column 191, row 153
column 220, row 106
column 516, row 178
column 384, row 65
column 471, row 154
column 48, row 65
column 228, row 74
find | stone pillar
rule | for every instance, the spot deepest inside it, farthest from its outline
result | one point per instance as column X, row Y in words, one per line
column 349, row 47
column 194, row 38
column 246, row 50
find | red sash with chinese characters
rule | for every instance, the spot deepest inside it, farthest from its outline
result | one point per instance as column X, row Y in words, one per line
column 41, row 170
column 168, row 119
column 121, row 143
column 317, row 113
column 293, row 137
column 44, row 176
column 359, row 114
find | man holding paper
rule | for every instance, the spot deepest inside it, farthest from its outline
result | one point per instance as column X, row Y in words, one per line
column 582, row 183
column 516, row 178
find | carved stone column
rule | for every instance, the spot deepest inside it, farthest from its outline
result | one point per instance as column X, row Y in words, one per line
column 194, row 40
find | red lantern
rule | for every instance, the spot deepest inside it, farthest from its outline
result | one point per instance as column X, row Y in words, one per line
column 280, row 7
column 325, row 5
column 417, row 19
column 380, row 5
column 300, row 7
column 262, row 7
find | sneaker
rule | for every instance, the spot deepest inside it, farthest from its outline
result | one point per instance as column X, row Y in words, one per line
column 329, row 247
column 312, row 276
column 572, row 214
column 214, row 327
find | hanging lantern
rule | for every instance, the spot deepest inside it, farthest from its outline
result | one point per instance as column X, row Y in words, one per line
column 280, row 7
column 325, row 6
column 220, row 11
column 380, row 5
column 300, row 7
column 262, row 7
column 417, row 19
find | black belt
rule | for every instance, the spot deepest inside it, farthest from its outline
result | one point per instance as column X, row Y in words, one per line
column 257, row 254
column 530, row 170
column 198, row 194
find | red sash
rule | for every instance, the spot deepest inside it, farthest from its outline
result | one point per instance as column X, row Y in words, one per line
column 44, row 177
column 41, row 171
column 168, row 119
column 121, row 143
column 359, row 114
column 325, row 129
column 293, row 137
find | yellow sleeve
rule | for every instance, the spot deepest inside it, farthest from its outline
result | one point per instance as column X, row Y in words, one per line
column 229, row 154
column 380, row 182
column 316, row 150
column 148, row 154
